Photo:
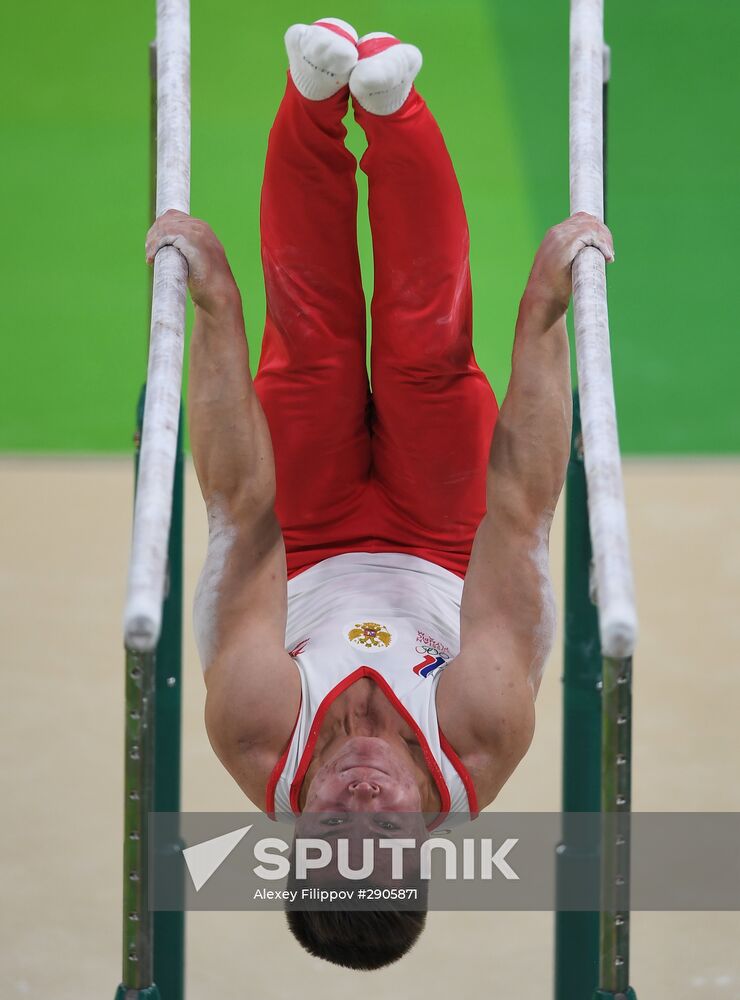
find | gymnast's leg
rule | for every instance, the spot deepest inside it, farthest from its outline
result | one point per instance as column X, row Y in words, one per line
column 435, row 410
column 312, row 380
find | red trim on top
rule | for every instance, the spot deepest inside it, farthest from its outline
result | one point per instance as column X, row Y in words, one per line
column 303, row 763
column 278, row 768
column 375, row 45
column 364, row 671
column 444, row 792
column 337, row 30
column 464, row 775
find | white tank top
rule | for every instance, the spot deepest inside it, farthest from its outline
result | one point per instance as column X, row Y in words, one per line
column 394, row 618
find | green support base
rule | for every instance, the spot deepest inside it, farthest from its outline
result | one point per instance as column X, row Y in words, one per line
column 606, row 995
column 148, row 993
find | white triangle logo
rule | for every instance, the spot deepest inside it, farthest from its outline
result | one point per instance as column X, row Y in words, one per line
column 203, row 859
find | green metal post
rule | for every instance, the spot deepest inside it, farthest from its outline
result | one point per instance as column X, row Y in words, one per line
column 616, row 785
column 169, row 927
column 137, row 979
column 577, row 933
column 154, row 948
column 616, row 796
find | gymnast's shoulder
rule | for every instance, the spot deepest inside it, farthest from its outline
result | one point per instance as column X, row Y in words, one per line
column 489, row 725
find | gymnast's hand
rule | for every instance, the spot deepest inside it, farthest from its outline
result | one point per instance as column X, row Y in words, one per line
column 550, row 283
column 211, row 283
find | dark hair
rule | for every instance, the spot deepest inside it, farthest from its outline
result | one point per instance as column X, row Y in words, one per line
column 377, row 934
column 361, row 939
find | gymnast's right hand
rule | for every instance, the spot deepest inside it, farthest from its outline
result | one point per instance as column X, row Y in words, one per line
column 211, row 283
column 550, row 282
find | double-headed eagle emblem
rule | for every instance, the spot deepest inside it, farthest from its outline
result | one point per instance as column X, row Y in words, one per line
column 370, row 635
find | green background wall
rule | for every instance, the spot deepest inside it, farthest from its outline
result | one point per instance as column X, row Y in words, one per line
column 73, row 175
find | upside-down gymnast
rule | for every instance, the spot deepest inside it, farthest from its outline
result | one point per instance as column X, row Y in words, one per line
column 375, row 609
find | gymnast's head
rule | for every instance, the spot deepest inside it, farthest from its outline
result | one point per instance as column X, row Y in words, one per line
column 366, row 793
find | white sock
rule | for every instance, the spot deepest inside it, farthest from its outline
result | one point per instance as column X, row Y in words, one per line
column 381, row 83
column 321, row 60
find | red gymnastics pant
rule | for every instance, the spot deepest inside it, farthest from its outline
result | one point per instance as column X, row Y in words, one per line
column 401, row 468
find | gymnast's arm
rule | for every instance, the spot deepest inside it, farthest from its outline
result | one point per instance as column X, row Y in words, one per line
column 253, row 688
column 507, row 615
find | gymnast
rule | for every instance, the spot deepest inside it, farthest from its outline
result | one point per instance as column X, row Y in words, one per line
column 375, row 610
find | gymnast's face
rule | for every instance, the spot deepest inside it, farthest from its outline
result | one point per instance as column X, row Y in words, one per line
column 366, row 775
column 367, row 791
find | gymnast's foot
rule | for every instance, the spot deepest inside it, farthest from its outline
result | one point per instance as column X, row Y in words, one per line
column 382, row 79
column 321, row 55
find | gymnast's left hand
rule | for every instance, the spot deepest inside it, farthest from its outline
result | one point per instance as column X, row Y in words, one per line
column 210, row 281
